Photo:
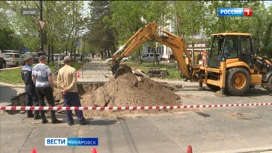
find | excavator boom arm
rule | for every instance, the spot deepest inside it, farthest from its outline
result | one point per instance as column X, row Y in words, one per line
column 147, row 33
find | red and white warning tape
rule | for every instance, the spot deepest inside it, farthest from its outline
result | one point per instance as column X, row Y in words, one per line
column 129, row 107
column 10, row 68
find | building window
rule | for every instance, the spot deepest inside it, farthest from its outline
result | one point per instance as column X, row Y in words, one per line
column 149, row 49
column 158, row 50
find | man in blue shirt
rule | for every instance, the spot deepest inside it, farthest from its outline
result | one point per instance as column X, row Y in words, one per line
column 31, row 96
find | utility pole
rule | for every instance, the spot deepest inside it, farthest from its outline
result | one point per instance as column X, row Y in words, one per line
column 41, row 33
column 84, row 37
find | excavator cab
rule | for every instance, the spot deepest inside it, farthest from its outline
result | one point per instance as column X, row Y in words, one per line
column 231, row 47
column 231, row 64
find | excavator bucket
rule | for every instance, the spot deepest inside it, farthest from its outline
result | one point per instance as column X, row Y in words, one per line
column 123, row 69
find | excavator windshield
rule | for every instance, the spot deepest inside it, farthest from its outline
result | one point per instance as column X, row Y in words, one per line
column 215, row 55
column 228, row 46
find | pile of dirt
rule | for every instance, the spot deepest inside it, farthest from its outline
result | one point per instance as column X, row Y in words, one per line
column 129, row 90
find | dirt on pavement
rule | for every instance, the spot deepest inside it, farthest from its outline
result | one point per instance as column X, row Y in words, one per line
column 129, row 90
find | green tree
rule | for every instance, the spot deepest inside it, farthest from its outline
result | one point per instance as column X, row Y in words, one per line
column 101, row 36
column 129, row 16
column 62, row 22
column 258, row 25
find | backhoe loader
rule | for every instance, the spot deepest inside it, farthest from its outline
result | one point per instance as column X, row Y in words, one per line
column 232, row 67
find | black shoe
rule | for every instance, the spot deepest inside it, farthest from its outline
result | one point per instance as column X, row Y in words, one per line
column 30, row 115
column 84, row 123
column 44, row 121
column 70, row 124
column 55, row 121
column 37, row 117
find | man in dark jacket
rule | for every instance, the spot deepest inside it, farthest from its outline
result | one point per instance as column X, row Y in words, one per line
column 31, row 96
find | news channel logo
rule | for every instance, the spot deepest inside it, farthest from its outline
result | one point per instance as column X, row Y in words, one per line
column 71, row 141
column 235, row 12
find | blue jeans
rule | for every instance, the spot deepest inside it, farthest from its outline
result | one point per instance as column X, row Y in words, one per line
column 72, row 99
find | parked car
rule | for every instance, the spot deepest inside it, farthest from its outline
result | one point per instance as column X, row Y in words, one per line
column 13, row 59
column 11, row 51
column 149, row 57
column 41, row 53
column 79, row 57
column 58, row 57
column 34, row 56
column 123, row 59
column 2, row 62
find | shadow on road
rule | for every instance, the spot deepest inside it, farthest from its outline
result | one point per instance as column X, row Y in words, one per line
column 101, row 122
column 252, row 92
column 256, row 92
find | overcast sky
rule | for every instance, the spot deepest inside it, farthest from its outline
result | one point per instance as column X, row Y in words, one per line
column 267, row 3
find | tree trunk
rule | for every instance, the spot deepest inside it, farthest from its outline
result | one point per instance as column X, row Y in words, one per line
column 101, row 54
column 108, row 52
column 139, row 57
column 48, row 50
column 74, row 48
column 52, row 56
column 68, row 40
column 156, row 61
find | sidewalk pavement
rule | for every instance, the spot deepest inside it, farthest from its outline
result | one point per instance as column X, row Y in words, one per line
column 94, row 72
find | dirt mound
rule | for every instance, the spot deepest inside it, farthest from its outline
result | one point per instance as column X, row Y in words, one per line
column 128, row 90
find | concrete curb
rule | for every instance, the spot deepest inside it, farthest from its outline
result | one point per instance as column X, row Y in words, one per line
column 12, row 85
column 5, row 104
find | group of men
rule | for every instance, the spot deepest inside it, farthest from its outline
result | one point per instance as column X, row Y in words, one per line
column 39, row 84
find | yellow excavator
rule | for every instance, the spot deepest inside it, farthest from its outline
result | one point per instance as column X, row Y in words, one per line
column 231, row 66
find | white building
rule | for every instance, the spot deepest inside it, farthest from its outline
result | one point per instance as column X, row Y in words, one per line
column 163, row 50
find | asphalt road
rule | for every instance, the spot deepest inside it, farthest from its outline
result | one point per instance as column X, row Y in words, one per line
column 236, row 129
column 7, row 92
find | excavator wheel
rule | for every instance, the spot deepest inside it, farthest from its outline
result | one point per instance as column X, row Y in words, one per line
column 123, row 69
column 213, row 87
column 269, row 84
column 237, row 81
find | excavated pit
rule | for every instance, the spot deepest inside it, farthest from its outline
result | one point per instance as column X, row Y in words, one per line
column 125, row 90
